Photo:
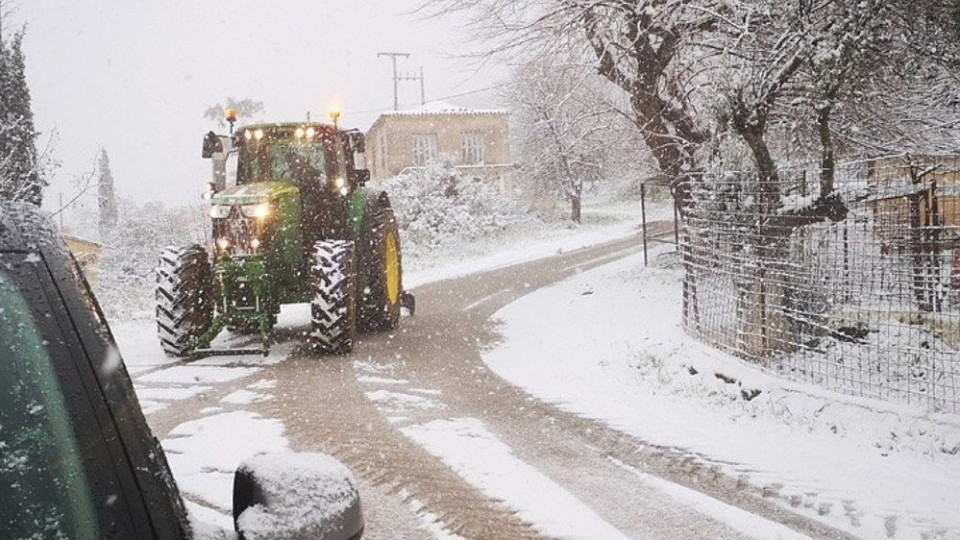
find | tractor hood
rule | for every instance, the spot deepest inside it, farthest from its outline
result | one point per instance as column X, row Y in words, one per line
column 253, row 193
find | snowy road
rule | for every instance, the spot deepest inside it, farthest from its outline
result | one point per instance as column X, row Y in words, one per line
column 445, row 448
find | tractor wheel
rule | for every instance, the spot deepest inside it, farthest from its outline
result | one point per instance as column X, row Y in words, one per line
column 333, row 309
column 184, row 298
column 380, row 308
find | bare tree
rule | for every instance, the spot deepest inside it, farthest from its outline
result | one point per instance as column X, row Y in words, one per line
column 641, row 46
column 247, row 109
column 565, row 129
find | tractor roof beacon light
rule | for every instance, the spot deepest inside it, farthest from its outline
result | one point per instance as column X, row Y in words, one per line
column 335, row 115
column 231, row 115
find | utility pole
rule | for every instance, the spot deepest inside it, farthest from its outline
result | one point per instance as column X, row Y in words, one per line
column 423, row 95
column 396, row 79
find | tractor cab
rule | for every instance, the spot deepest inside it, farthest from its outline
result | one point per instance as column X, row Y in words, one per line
column 318, row 160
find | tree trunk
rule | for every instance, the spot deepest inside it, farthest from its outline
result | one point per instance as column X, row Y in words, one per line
column 672, row 149
column 575, row 209
column 827, row 163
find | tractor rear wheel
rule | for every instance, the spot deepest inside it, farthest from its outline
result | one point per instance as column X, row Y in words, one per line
column 333, row 308
column 184, row 297
column 380, row 308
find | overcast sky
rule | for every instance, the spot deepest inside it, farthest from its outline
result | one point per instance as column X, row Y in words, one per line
column 135, row 76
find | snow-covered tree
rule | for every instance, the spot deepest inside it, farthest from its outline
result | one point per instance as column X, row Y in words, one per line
column 565, row 129
column 21, row 174
column 643, row 47
column 439, row 206
column 106, row 197
column 127, row 277
column 246, row 109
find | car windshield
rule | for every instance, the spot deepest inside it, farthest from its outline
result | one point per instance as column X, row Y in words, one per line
column 282, row 160
column 43, row 489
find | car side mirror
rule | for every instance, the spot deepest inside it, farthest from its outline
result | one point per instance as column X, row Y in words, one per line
column 211, row 145
column 359, row 177
column 296, row 497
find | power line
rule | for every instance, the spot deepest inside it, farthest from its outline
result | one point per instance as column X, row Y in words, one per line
column 452, row 96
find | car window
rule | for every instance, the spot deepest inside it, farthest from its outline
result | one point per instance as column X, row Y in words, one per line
column 44, row 491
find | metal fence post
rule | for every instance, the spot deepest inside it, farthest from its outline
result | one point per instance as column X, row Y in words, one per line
column 643, row 219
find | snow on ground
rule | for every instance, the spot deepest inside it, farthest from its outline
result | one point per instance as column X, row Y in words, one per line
column 171, row 394
column 245, row 397
column 482, row 460
column 197, row 374
column 506, row 254
column 611, row 340
column 150, row 407
column 209, row 516
column 737, row 518
column 428, row 521
column 467, row 447
column 204, row 454
column 603, row 221
column 139, row 346
column 398, row 402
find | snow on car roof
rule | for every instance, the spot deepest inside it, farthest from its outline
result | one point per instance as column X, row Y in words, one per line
column 24, row 226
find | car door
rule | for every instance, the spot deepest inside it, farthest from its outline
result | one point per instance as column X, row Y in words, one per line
column 151, row 473
column 64, row 471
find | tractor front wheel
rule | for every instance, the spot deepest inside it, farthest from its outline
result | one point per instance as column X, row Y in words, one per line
column 184, row 298
column 333, row 308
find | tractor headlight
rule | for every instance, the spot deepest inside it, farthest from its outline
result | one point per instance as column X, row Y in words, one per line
column 259, row 211
column 339, row 182
column 255, row 243
column 344, row 191
column 299, row 133
column 223, row 243
column 219, row 212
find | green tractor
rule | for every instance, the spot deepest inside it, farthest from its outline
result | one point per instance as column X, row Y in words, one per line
column 293, row 222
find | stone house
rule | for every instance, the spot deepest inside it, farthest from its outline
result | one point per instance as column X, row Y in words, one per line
column 87, row 253
column 475, row 141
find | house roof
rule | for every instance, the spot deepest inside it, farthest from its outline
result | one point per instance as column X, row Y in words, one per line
column 82, row 241
column 445, row 108
column 438, row 109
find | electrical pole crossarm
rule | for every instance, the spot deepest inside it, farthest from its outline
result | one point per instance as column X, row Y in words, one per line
column 396, row 79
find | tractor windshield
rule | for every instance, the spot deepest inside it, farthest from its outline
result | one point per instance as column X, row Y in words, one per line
column 283, row 160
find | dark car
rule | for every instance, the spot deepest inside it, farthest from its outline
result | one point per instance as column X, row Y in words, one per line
column 77, row 459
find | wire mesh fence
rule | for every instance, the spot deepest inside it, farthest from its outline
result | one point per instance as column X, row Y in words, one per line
column 850, row 282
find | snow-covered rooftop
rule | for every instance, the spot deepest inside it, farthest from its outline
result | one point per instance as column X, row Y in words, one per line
column 443, row 107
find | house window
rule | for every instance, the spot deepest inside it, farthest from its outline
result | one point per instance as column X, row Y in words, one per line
column 424, row 148
column 473, row 144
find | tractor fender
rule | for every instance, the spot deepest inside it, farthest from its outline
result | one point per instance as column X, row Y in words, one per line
column 377, row 200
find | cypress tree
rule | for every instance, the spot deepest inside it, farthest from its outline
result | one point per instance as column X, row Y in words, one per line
column 106, row 197
column 20, row 174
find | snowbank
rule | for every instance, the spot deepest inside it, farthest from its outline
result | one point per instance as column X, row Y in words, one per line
column 438, row 207
column 612, row 343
